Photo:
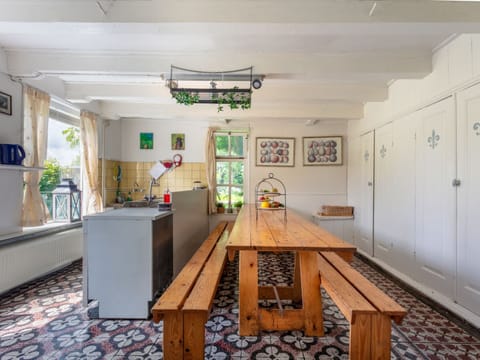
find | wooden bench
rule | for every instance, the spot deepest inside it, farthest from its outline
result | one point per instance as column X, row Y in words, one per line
column 367, row 308
column 194, row 287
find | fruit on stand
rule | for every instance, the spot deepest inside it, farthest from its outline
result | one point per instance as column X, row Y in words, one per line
column 265, row 204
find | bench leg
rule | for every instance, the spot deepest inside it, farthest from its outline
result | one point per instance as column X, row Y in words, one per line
column 194, row 335
column 361, row 337
column 173, row 335
column 248, row 283
column 311, row 295
column 381, row 340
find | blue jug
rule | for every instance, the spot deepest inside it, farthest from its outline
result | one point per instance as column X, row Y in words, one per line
column 11, row 154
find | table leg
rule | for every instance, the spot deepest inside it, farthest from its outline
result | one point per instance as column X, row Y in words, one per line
column 311, row 295
column 248, row 298
column 297, row 283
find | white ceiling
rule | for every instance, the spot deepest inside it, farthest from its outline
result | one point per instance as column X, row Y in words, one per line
column 322, row 59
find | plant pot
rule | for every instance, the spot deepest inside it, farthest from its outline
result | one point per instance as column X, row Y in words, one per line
column 220, row 210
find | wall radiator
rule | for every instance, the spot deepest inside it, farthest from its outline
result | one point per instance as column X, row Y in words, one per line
column 30, row 259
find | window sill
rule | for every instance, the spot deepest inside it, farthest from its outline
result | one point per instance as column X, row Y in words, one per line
column 30, row 233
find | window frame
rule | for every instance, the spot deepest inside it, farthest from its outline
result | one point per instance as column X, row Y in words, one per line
column 230, row 159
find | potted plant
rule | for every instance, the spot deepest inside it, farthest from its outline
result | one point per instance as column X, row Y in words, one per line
column 220, row 207
column 238, row 205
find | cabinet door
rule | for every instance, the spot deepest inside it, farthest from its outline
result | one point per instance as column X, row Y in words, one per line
column 383, row 236
column 402, row 194
column 364, row 214
column 468, row 245
column 435, row 240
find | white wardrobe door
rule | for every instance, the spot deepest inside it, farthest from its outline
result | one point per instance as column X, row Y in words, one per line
column 382, row 230
column 468, row 276
column 435, row 243
column 364, row 213
column 402, row 194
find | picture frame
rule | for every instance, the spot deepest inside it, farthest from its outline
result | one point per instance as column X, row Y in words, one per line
column 5, row 103
column 146, row 141
column 275, row 151
column 322, row 150
column 178, row 141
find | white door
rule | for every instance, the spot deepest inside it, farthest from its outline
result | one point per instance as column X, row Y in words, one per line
column 364, row 213
column 384, row 191
column 468, row 244
column 435, row 240
column 402, row 194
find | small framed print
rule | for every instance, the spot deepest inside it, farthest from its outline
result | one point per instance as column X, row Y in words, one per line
column 146, row 141
column 275, row 151
column 322, row 150
column 5, row 103
column 178, row 141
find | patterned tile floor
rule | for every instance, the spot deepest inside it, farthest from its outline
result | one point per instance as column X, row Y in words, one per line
column 45, row 319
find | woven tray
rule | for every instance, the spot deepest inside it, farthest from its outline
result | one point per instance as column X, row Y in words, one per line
column 330, row 210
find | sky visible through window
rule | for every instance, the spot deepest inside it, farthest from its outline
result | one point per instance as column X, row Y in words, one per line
column 58, row 147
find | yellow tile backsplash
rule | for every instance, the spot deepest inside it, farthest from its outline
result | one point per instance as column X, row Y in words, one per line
column 136, row 179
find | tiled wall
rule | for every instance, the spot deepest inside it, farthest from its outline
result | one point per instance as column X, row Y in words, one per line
column 136, row 178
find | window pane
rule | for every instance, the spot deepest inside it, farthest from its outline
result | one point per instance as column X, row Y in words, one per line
column 237, row 172
column 222, row 194
column 237, row 194
column 223, row 172
column 237, row 145
column 221, row 145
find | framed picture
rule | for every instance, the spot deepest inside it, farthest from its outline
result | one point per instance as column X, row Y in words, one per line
column 146, row 141
column 322, row 150
column 275, row 151
column 178, row 141
column 5, row 103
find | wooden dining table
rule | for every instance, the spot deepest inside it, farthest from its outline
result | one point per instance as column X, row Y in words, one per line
column 273, row 230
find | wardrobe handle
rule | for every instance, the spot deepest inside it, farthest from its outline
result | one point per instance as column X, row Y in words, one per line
column 456, row 182
column 370, row 183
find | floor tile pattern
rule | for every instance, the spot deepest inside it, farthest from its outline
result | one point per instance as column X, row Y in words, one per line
column 45, row 319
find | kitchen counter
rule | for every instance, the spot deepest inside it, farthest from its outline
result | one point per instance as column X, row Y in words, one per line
column 128, row 260
column 132, row 213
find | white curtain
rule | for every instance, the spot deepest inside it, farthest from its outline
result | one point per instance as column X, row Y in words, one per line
column 89, row 135
column 211, row 169
column 35, row 139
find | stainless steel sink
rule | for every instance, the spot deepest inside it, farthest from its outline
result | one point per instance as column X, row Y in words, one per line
column 141, row 203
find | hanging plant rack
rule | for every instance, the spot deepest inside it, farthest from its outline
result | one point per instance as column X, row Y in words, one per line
column 226, row 88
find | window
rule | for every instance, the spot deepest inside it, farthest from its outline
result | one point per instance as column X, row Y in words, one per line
column 230, row 149
column 63, row 152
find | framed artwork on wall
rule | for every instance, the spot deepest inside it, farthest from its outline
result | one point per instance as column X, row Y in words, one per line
column 275, row 151
column 5, row 103
column 178, row 141
column 322, row 150
column 146, row 141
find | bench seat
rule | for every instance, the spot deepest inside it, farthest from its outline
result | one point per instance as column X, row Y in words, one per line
column 169, row 306
column 352, row 293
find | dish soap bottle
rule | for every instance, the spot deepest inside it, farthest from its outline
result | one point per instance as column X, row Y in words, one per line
column 166, row 196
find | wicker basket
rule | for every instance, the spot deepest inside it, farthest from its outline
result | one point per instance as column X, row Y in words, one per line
column 330, row 210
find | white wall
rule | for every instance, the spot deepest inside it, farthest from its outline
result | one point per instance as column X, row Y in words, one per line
column 11, row 182
column 455, row 67
column 307, row 187
column 194, row 131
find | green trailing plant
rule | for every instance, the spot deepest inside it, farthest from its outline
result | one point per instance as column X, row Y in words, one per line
column 233, row 101
column 186, row 98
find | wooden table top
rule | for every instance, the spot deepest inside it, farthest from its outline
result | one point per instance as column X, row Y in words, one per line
column 271, row 233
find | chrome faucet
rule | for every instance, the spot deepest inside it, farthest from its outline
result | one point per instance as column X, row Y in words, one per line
column 150, row 191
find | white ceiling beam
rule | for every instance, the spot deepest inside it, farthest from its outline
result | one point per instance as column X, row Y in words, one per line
column 348, row 66
column 240, row 11
column 271, row 91
column 325, row 110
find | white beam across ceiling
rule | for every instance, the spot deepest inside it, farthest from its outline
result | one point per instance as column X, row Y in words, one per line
column 347, row 66
column 240, row 11
column 335, row 110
